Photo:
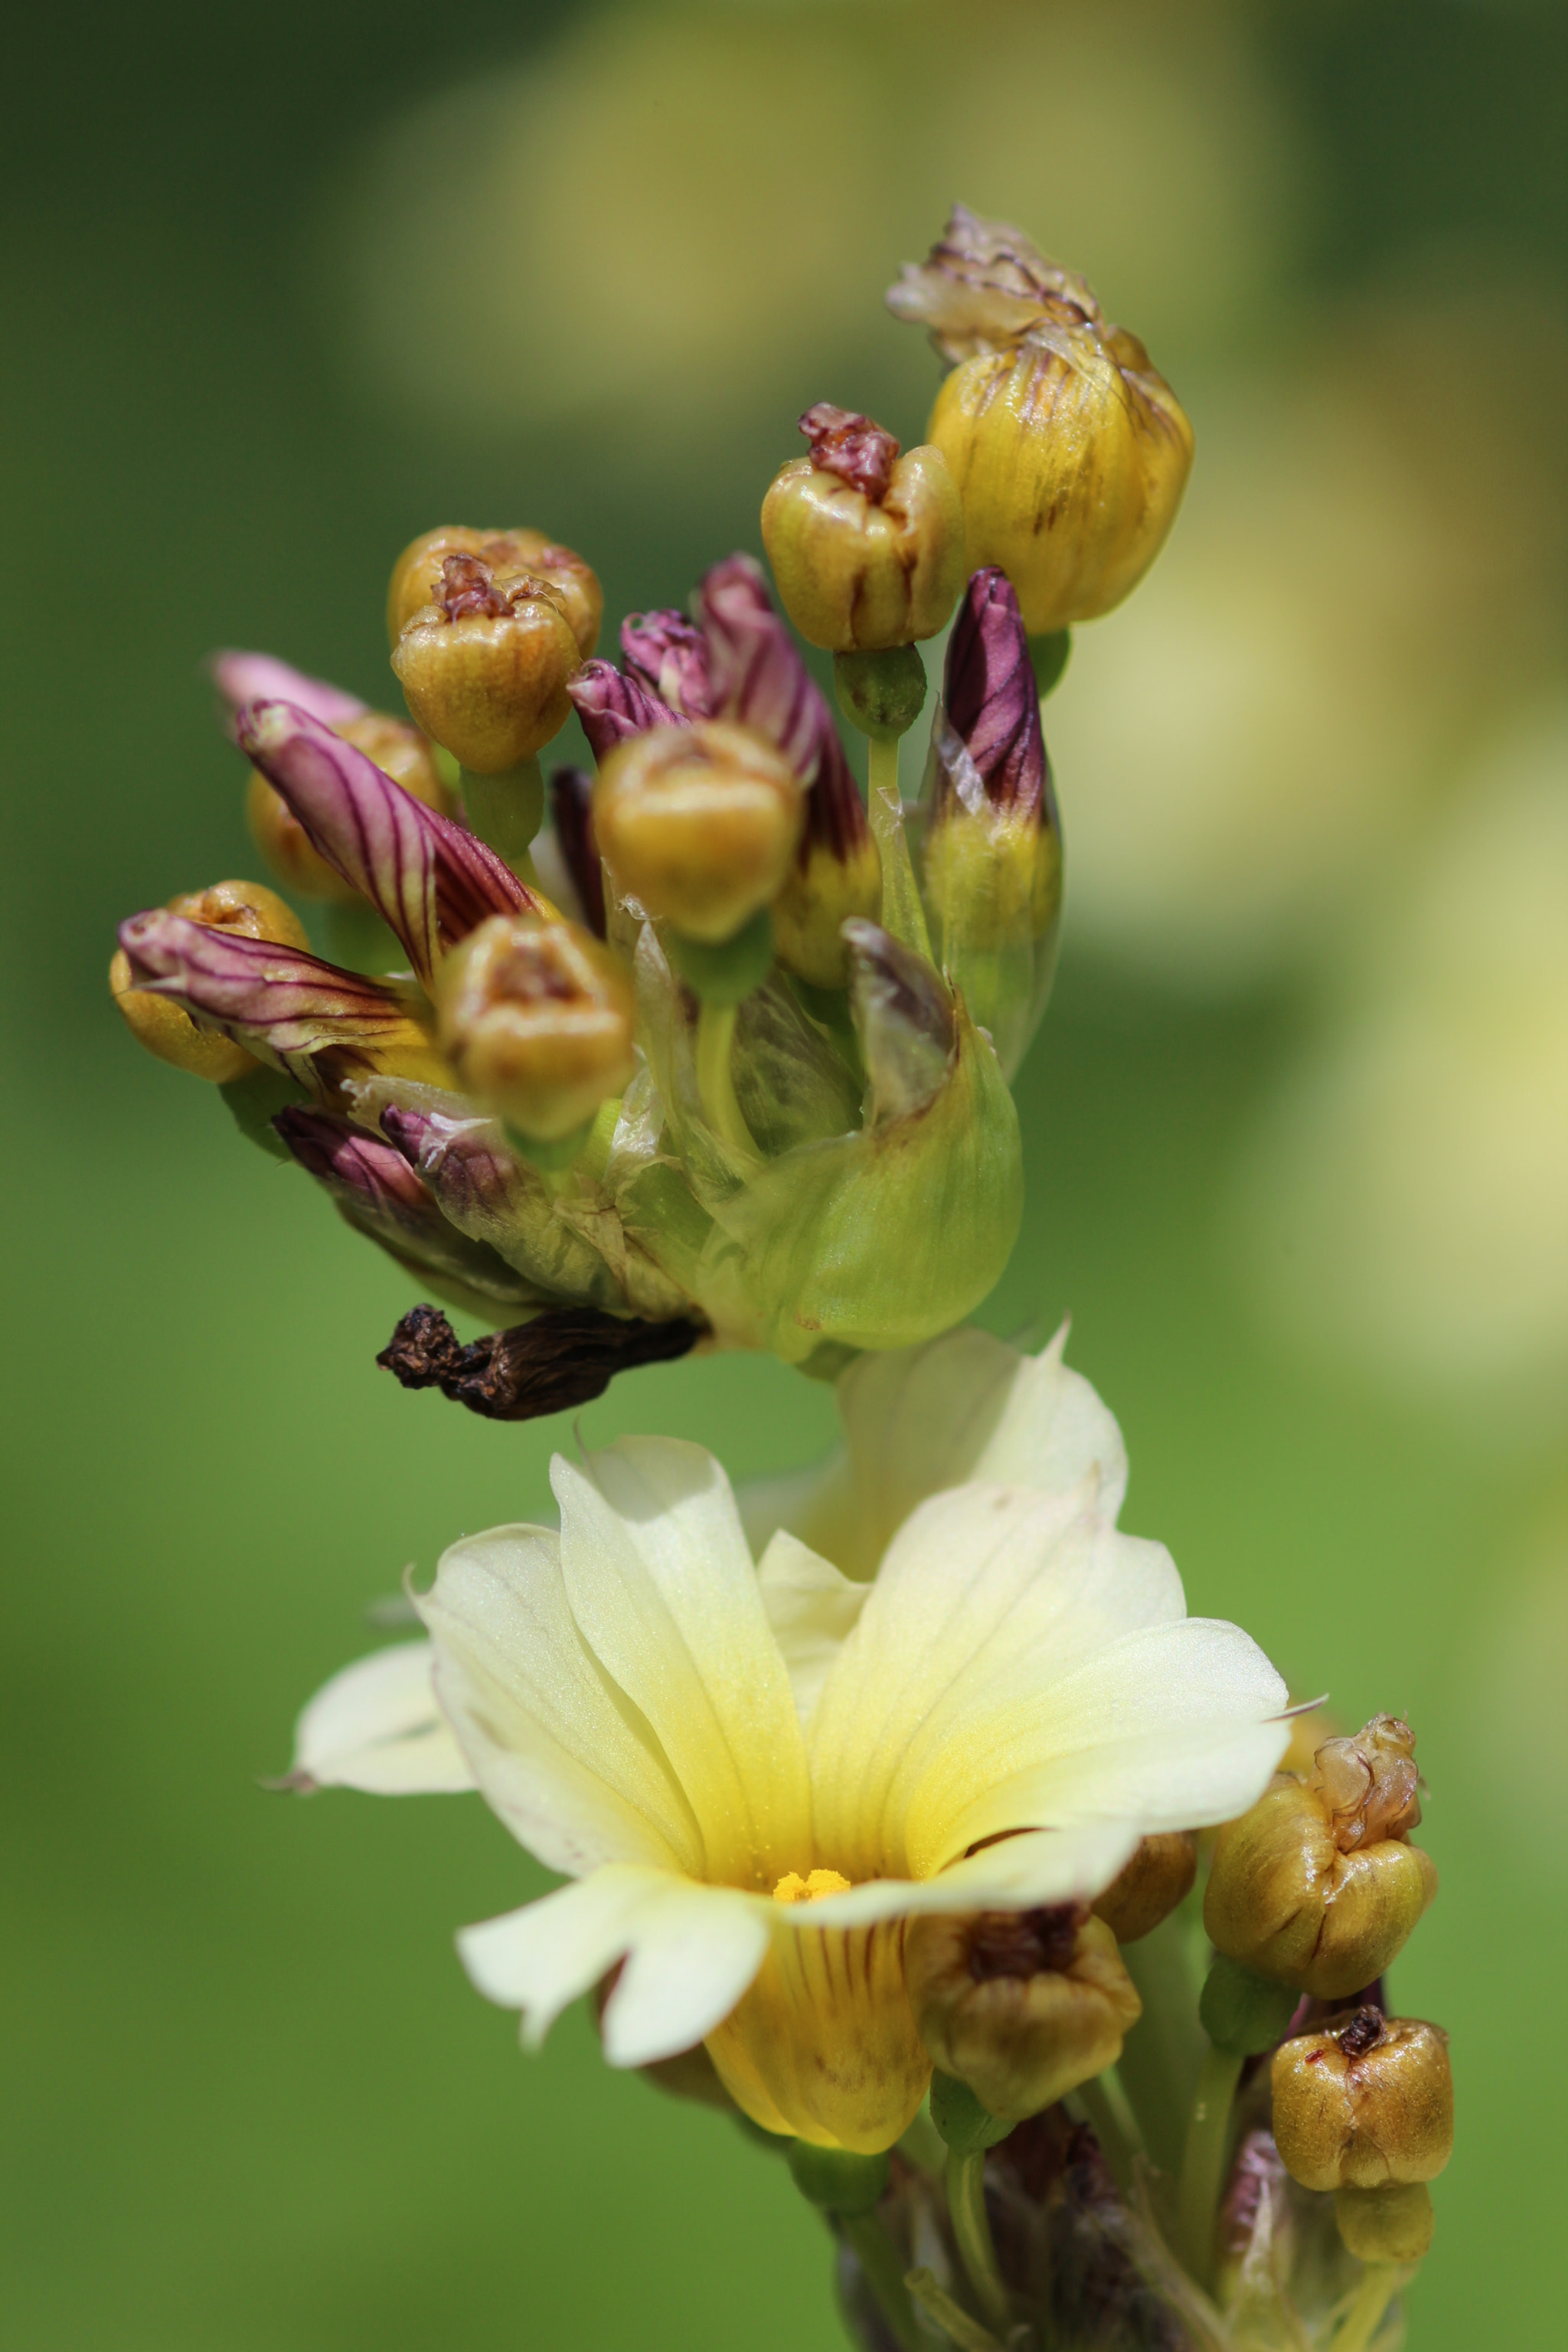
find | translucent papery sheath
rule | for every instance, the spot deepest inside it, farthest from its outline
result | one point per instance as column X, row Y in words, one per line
column 377, row 1192
column 430, row 881
column 310, row 1018
column 759, row 678
column 246, row 678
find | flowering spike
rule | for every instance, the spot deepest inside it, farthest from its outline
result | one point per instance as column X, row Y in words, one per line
column 667, row 653
column 244, row 677
column 430, row 880
column 613, row 706
column 376, row 1191
column 571, row 816
column 310, row 1018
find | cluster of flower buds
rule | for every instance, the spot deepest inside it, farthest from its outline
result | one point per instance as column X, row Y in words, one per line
column 734, row 1052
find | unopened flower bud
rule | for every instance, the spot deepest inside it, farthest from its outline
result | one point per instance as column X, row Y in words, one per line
column 484, row 664
column 668, row 655
column 614, row 707
column 247, row 910
column 398, row 749
column 1386, row 2225
column 991, row 864
column 1317, row 1886
column 420, row 569
column 867, row 546
column 536, row 1018
column 1022, row 2006
column 571, row 820
column 699, row 823
column 1148, row 1888
column 1070, row 453
column 1368, row 2101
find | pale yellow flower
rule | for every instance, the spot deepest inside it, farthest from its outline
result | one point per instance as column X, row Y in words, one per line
column 757, row 1774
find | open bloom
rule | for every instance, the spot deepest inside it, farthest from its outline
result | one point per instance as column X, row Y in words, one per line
column 756, row 1775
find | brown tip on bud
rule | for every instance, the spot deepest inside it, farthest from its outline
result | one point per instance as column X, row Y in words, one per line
column 699, row 823
column 485, row 665
column 1367, row 2102
column 1149, row 1887
column 1022, row 2007
column 536, row 1017
column 467, row 585
column 420, row 573
column 554, row 1363
column 850, row 446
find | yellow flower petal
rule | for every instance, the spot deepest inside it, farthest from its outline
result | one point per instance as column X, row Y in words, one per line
column 377, row 1727
column 811, row 1608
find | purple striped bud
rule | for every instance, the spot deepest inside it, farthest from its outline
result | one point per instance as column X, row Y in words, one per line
column 430, row 881
column 614, row 707
column 992, row 860
column 377, row 1193
column 759, row 678
column 571, row 816
column 312, row 1019
column 667, row 655
column 242, row 678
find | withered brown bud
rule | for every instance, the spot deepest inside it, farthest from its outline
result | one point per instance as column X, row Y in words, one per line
column 867, row 546
column 1368, row 2101
column 699, row 823
column 559, row 1359
column 1022, row 2006
column 536, row 1018
column 398, row 749
column 1318, row 1886
column 484, row 664
column 249, row 909
column 1149, row 1887
column 422, row 563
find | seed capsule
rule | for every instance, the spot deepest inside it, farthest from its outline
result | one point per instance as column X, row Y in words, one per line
column 250, row 911
column 1022, row 2006
column 536, row 1018
column 484, row 665
column 398, row 749
column 1149, row 1887
column 699, row 823
column 1318, row 1886
column 1070, row 451
column 867, row 546
column 1368, row 2101
column 417, row 574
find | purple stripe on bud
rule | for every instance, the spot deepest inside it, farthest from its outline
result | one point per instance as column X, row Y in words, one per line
column 613, row 706
column 431, row 882
column 242, row 678
column 474, row 1181
column 992, row 703
column 667, row 655
column 277, row 1000
column 758, row 677
column 572, row 814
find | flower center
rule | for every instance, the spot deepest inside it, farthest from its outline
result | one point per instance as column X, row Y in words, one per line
column 792, row 1888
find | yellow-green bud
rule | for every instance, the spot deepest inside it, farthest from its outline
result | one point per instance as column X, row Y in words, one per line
column 867, row 546
column 699, row 823
column 419, row 570
column 1386, row 2225
column 536, row 1018
column 1368, row 2101
column 1148, row 1888
column 399, row 751
column 165, row 1028
column 1317, row 1886
column 1070, row 451
column 484, row 666
column 1022, row 2006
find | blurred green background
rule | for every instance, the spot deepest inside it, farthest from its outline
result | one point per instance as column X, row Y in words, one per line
column 284, row 284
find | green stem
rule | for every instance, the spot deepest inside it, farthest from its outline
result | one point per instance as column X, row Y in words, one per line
column 1365, row 2316
column 715, row 1044
column 971, row 2229
column 1114, row 2125
column 1203, row 2161
column 878, row 2259
column 506, row 811
column 902, row 913
column 952, row 2319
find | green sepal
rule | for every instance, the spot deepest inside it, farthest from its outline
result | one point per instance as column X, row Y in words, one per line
column 1243, row 2014
column 1049, row 655
column 881, row 693
column 835, row 2179
column 254, row 1101
column 724, row 971
column 965, row 2126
